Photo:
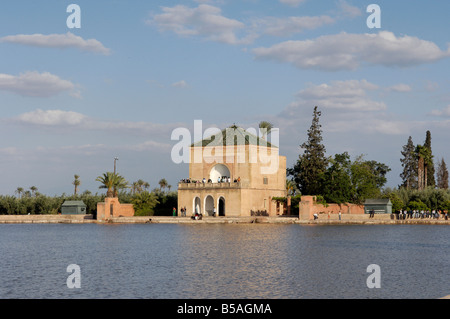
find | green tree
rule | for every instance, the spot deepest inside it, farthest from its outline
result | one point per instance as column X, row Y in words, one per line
column 368, row 177
column 337, row 183
column 162, row 184
column 397, row 202
column 144, row 203
column 265, row 128
column 312, row 163
column 112, row 182
column 442, row 175
column 139, row 186
column 33, row 190
column 409, row 164
column 430, row 165
column 19, row 191
column 424, row 157
column 417, row 205
column 291, row 188
column 76, row 183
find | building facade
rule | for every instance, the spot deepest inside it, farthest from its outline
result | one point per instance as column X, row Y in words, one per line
column 233, row 173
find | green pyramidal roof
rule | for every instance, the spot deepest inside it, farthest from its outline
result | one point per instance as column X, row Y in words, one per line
column 233, row 135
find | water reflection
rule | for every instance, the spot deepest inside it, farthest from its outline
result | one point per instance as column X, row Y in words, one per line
column 223, row 261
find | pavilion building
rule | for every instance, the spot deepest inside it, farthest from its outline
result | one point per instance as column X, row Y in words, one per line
column 233, row 173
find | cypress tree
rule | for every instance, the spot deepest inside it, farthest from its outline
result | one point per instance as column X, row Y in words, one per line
column 430, row 165
column 442, row 175
column 409, row 164
column 307, row 172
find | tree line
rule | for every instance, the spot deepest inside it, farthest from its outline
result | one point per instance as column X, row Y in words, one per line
column 418, row 166
column 339, row 179
column 158, row 202
column 424, row 186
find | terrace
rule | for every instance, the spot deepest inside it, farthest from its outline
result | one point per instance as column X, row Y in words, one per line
column 201, row 185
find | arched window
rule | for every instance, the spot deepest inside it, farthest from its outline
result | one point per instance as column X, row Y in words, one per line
column 218, row 172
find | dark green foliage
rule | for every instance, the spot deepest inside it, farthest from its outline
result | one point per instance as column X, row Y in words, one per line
column 430, row 165
column 430, row 197
column 417, row 205
column 166, row 202
column 397, row 202
column 42, row 204
column 336, row 181
column 312, row 163
column 368, row 177
column 144, row 203
column 409, row 164
column 442, row 175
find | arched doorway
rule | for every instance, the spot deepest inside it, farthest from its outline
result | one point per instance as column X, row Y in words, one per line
column 221, row 207
column 197, row 205
column 219, row 171
column 209, row 205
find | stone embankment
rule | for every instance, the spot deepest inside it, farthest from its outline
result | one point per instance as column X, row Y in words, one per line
column 323, row 220
column 46, row 219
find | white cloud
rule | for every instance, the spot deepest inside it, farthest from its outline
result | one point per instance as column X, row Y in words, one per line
column 60, row 120
column 348, row 51
column 151, row 146
column 290, row 25
column 371, row 124
column 205, row 20
column 401, row 87
column 350, row 96
column 431, row 86
column 445, row 112
column 292, row 3
column 35, row 84
column 62, row 41
column 208, row 22
column 180, row 84
column 52, row 118
column 348, row 10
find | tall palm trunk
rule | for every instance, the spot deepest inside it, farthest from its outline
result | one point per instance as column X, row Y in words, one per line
column 420, row 172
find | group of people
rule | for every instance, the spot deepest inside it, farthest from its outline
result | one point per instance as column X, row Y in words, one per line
column 222, row 179
column 196, row 215
column 410, row 214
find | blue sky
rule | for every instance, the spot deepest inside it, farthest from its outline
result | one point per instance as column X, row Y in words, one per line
column 73, row 99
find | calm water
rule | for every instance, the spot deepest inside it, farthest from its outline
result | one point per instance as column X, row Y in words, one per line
column 223, row 261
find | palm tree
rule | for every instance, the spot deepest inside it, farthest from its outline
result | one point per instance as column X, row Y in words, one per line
column 112, row 182
column 76, row 183
column 424, row 158
column 290, row 187
column 162, row 183
column 134, row 187
column 139, row 186
column 33, row 190
column 265, row 128
column 19, row 191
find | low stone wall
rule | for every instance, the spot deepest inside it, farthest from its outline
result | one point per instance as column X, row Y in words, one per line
column 308, row 207
column 45, row 219
column 346, row 219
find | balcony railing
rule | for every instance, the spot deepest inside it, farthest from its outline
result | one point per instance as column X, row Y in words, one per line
column 202, row 185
